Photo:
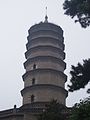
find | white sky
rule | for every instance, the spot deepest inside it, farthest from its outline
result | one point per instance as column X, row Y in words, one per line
column 16, row 17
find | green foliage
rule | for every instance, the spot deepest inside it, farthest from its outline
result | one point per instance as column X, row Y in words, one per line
column 53, row 111
column 80, row 76
column 80, row 9
column 81, row 111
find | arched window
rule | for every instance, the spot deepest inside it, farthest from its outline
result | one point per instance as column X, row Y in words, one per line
column 32, row 98
column 34, row 66
column 33, row 81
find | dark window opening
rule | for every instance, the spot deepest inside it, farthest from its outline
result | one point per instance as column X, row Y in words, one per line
column 33, row 81
column 34, row 66
column 32, row 98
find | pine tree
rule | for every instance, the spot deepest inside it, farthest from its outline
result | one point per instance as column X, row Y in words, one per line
column 80, row 76
column 79, row 9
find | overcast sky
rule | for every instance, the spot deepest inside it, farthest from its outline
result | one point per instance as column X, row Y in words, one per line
column 16, row 17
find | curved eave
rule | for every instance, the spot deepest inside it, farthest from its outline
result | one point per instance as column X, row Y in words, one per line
column 40, row 70
column 44, row 86
column 45, row 47
column 29, row 38
column 43, row 39
column 45, row 58
column 45, row 26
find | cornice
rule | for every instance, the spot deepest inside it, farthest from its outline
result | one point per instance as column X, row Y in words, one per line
column 45, row 26
column 42, row 70
column 43, row 86
column 44, row 58
column 44, row 47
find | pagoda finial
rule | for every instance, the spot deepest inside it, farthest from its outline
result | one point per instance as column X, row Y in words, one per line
column 46, row 17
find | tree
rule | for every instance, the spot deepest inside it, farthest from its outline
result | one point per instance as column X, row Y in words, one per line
column 80, row 76
column 81, row 111
column 53, row 111
column 79, row 9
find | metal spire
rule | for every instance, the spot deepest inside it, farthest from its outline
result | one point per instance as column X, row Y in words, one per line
column 46, row 17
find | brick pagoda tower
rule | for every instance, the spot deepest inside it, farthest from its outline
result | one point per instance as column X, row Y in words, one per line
column 44, row 79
